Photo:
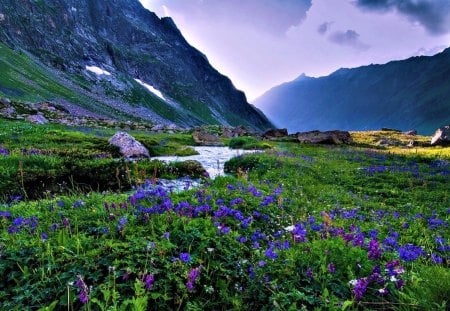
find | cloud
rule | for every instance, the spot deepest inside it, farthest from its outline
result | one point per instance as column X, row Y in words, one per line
column 430, row 52
column 271, row 16
column 348, row 38
column 434, row 15
column 323, row 28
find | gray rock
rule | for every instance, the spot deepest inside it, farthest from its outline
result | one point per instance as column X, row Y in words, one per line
column 130, row 148
column 441, row 136
column 206, row 139
column 328, row 137
column 411, row 143
column 5, row 101
column 37, row 119
column 411, row 133
column 158, row 127
column 275, row 133
column 8, row 112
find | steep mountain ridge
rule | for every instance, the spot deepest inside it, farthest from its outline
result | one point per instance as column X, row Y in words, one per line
column 128, row 43
column 406, row 94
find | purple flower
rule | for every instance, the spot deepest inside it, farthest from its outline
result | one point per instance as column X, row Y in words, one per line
column 399, row 283
column 309, row 273
column 261, row 263
column 374, row 251
column 185, row 257
column 331, row 268
column 436, row 259
column 149, row 279
column 192, row 277
column 360, row 288
column 84, row 289
column 166, row 235
column 359, row 240
column 4, row 152
column 121, row 224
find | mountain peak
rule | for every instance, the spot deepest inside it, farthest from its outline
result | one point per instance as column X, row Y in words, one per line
column 407, row 94
column 122, row 38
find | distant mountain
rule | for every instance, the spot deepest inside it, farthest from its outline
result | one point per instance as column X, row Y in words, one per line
column 115, row 59
column 408, row 94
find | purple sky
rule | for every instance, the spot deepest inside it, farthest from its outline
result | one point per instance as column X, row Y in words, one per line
column 262, row 43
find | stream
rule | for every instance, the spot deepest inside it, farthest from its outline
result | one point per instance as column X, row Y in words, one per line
column 211, row 158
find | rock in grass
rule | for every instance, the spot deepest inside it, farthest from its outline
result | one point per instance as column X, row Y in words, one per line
column 204, row 138
column 275, row 133
column 37, row 119
column 130, row 148
column 328, row 137
column 441, row 136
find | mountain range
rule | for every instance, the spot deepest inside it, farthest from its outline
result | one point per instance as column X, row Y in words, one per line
column 113, row 59
column 407, row 94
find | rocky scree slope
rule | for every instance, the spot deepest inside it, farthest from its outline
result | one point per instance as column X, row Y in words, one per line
column 408, row 94
column 111, row 57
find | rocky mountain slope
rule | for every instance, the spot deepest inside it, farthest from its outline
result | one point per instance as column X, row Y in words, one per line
column 113, row 59
column 408, row 94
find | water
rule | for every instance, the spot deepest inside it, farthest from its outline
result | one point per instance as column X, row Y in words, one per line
column 211, row 158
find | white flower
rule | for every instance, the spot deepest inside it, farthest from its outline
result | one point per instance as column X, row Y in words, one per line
column 290, row 228
column 393, row 279
column 353, row 282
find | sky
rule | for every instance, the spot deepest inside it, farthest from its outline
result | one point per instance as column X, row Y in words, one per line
column 259, row 44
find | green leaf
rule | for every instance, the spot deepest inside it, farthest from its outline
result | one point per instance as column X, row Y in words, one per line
column 50, row 307
column 346, row 304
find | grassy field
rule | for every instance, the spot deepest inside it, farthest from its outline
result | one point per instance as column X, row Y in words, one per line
column 295, row 227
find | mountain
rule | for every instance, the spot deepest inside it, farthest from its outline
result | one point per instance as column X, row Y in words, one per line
column 408, row 94
column 113, row 59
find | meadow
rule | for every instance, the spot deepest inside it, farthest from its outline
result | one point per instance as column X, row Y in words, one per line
column 294, row 227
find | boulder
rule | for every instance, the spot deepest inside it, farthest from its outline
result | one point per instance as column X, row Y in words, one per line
column 411, row 133
column 328, row 137
column 129, row 147
column 275, row 133
column 37, row 119
column 158, row 128
column 412, row 143
column 5, row 101
column 206, row 139
column 441, row 136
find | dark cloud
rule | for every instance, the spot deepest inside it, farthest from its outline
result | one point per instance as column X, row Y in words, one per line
column 323, row 28
column 271, row 16
column 434, row 15
column 348, row 38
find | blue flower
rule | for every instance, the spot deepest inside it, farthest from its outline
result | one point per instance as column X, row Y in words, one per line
column 185, row 257
column 271, row 254
column 410, row 252
column 44, row 236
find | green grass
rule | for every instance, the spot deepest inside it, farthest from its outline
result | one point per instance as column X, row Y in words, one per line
column 333, row 197
column 56, row 159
